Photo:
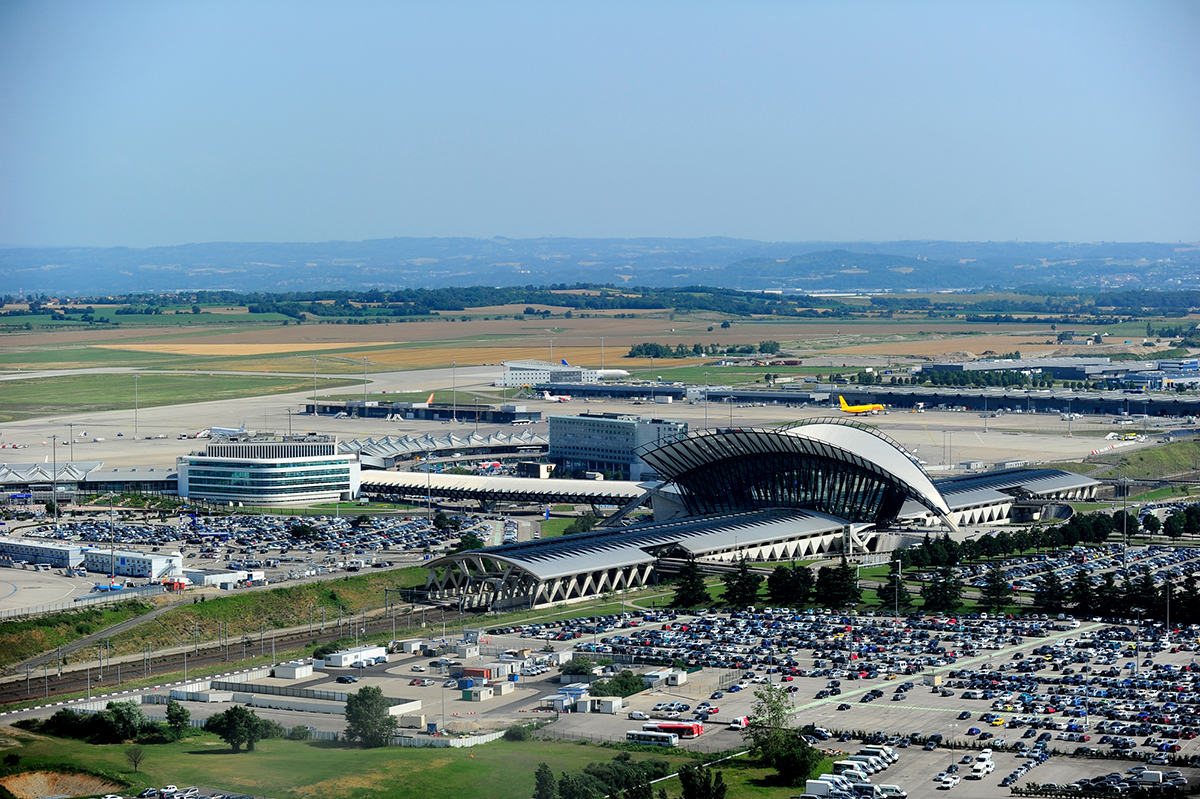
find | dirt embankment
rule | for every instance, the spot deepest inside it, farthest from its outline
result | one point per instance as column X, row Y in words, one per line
column 36, row 784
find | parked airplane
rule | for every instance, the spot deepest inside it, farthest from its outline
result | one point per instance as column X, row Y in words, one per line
column 546, row 395
column 871, row 408
column 603, row 373
column 229, row 431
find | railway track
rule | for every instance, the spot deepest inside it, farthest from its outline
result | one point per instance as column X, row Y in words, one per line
column 47, row 684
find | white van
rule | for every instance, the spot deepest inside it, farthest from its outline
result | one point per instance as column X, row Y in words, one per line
column 740, row 723
column 893, row 792
column 886, row 753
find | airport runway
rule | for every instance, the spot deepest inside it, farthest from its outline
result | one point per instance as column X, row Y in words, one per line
column 938, row 438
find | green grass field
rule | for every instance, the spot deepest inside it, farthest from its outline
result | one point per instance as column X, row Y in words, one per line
column 326, row 770
column 46, row 396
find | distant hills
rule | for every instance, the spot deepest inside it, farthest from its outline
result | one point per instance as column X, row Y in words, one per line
column 730, row 263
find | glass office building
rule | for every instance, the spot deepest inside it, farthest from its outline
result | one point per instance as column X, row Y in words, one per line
column 270, row 470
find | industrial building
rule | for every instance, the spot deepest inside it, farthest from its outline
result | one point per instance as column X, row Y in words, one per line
column 424, row 411
column 127, row 563
column 1091, row 369
column 270, row 470
column 520, row 374
column 60, row 556
column 608, row 442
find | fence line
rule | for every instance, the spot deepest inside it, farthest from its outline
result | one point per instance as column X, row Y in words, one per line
column 443, row 743
column 83, row 602
column 278, row 690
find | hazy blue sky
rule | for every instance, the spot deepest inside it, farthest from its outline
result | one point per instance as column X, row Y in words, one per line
column 170, row 122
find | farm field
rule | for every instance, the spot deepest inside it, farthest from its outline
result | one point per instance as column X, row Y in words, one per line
column 435, row 342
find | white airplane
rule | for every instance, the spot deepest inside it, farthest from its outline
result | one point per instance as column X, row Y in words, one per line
column 604, row 372
column 228, row 431
column 546, row 395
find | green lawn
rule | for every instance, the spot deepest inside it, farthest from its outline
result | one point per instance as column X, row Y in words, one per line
column 24, row 399
column 554, row 527
column 326, row 770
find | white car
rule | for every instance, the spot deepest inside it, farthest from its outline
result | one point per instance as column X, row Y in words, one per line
column 418, row 667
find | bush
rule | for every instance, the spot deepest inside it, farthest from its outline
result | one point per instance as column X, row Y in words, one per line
column 300, row 733
column 518, row 733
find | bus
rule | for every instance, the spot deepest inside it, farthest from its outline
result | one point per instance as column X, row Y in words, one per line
column 684, row 729
column 652, row 738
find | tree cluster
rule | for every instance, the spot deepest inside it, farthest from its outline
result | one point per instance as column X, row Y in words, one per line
column 239, row 726
column 741, row 586
column 837, row 586
column 691, row 590
column 367, row 719
column 790, row 586
column 620, row 778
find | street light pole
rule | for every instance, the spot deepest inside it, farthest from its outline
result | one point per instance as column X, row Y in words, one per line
column 314, row 386
column 454, row 390
column 54, row 481
column 72, row 426
column 364, row 386
column 135, row 406
column 706, row 400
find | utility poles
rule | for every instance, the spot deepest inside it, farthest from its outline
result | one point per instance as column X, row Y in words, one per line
column 602, row 352
column 314, row 386
column 454, row 390
column 135, row 406
column 364, row 386
column 72, row 426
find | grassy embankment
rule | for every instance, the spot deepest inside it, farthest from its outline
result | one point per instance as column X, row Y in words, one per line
column 1180, row 457
column 26, row 638
column 248, row 612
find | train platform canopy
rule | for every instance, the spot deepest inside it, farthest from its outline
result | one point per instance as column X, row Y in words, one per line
column 989, row 497
column 419, row 485
column 381, row 453
column 571, row 567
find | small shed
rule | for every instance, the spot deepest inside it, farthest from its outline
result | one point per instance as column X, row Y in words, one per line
column 294, row 670
column 481, row 694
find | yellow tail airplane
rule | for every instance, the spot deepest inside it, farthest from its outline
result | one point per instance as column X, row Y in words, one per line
column 872, row 408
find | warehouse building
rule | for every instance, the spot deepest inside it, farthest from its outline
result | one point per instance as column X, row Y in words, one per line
column 126, row 563
column 60, row 556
